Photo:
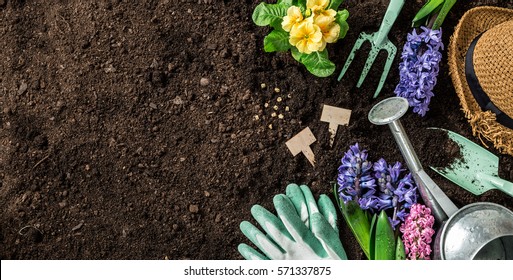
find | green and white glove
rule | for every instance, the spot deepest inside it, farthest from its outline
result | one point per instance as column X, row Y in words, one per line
column 303, row 229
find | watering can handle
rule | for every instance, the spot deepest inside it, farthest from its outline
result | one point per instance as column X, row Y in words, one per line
column 393, row 10
column 501, row 184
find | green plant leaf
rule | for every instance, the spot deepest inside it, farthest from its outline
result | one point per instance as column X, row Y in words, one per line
column 342, row 15
column 400, row 254
column 301, row 4
column 277, row 41
column 443, row 13
column 340, row 18
column 269, row 14
column 426, row 11
column 344, row 27
column 296, row 54
column 372, row 239
column 287, row 3
column 385, row 239
column 334, row 4
column 357, row 221
column 319, row 64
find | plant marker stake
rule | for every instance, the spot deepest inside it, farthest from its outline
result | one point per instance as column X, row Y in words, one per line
column 301, row 142
column 335, row 116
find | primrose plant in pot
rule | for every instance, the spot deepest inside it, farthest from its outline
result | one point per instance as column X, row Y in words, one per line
column 303, row 27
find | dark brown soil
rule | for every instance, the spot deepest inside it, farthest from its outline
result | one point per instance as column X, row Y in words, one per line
column 128, row 128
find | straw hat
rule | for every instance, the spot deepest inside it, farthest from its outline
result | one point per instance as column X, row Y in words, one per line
column 481, row 68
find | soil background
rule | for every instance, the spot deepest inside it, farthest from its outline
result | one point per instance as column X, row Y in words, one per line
column 128, row 128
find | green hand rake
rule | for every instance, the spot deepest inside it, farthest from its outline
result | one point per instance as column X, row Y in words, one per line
column 379, row 41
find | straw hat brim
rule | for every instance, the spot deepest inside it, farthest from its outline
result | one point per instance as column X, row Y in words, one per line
column 484, row 125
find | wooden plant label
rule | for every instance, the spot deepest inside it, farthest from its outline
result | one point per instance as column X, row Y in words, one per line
column 301, row 142
column 335, row 116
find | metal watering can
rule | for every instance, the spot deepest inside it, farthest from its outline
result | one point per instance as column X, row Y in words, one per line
column 479, row 230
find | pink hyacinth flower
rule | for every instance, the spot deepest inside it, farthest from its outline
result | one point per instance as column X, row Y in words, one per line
column 417, row 232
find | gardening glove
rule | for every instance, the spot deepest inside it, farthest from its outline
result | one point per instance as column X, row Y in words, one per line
column 303, row 229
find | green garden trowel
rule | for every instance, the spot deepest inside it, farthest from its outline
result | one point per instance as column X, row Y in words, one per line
column 476, row 170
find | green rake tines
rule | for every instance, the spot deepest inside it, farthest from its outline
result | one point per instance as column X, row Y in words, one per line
column 379, row 41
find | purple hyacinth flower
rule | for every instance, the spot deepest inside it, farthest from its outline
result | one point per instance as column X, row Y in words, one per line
column 355, row 179
column 397, row 191
column 419, row 68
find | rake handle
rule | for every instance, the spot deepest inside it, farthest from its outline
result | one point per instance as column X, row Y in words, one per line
column 393, row 10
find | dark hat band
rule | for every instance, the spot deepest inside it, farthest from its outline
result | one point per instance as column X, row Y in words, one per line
column 477, row 91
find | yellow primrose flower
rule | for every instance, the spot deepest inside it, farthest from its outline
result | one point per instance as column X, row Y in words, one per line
column 293, row 17
column 317, row 5
column 306, row 36
column 329, row 13
column 329, row 28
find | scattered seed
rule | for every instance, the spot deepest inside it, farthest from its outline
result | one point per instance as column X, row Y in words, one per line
column 287, row 108
column 23, row 88
column 279, row 99
column 289, row 95
column 275, row 107
column 270, row 126
column 277, row 90
column 256, row 117
column 218, row 218
column 77, row 227
column 266, row 105
column 280, row 116
column 262, row 85
column 273, row 115
column 193, row 208
column 204, row 82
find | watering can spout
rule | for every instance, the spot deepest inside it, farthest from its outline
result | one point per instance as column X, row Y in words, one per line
column 440, row 213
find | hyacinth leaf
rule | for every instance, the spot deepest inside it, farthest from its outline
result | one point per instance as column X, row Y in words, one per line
column 384, row 240
column 318, row 63
column 269, row 14
column 400, row 253
column 357, row 221
column 426, row 10
column 372, row 240
column 443, row 13
column 334, row 4
column 277, row 41
column 340, row 18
